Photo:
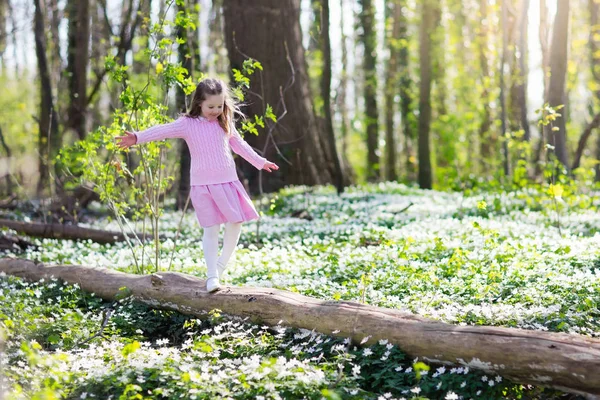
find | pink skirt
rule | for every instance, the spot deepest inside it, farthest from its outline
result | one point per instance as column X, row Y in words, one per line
column 222, row 202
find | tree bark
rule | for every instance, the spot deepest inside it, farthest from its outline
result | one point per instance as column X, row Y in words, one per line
column 405, row 94
column 565, row 362
column 56, row 62
column 505, row 28
column 425, row 31
column 594, row 124
column 126, row 35
column 326, row 94
column 140, row 63
column 594, row 45
column 69, row 232
column 369, row 40
column 523, row 70
column 342, row 104
column 48, row 121
column 3, row 37
column 8, row 178
column 270, row 32
column 77, row 65
column 186, row 57
column 391, row 87
column 486, row 138
column 558, row 74
column 216, row 37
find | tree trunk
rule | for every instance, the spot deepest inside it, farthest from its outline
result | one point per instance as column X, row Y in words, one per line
column 587, row 132
column 391, row 87
column 9, row 159
column 486, row 139
column 556, row 88
column 369, row 40
column 14, row 29
column 505, row 28
column 295, row 140
column 566, row 362
column 216, row 38
column 69, row 232
column 78, row 58
column 425, row 31
column 186, row 58
column 342, row 105
column 439, row 142
column 55, row 57
column 326, row 94
column 594, row 43
column 543, row 37
column 405, row 93
column 140, row 62
column 523, row 70
column 48, row 121
column 314, row 55
column 3, row 18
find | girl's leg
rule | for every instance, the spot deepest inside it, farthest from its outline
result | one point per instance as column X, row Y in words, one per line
column 230, row 241
column 210, row 245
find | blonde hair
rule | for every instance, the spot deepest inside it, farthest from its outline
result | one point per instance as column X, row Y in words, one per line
column 213, row 86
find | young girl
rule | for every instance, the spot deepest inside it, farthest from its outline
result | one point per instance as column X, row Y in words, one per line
column 216, row 192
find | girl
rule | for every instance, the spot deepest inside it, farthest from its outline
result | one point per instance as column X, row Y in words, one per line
column 216, row 192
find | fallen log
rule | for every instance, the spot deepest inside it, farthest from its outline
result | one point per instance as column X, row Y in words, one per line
column 61, row 231
column 14, row 243
column 567, row 362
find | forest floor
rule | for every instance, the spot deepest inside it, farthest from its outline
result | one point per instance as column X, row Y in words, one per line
column 515, row 259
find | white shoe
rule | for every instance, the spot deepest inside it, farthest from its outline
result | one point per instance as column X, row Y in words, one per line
column 212, row 284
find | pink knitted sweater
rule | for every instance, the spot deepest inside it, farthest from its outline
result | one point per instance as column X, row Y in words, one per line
column 210, row 148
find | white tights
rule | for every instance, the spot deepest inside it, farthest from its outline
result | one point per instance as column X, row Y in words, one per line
column 210, row 245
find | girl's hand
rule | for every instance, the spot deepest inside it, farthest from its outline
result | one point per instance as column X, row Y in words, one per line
column 126, row 141
column 270, row 167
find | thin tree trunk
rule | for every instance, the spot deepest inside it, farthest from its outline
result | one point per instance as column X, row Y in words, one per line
column 68, row 232
column 326, row 94
column 314, row 55
column 556, row 88
column 9, row 180
column 342, row 104
column 566, row 362
column 48, row 121
column 217, row 39
column 3, row 37
column 391, row 87
column 405, row 93
column 425, row 31
column 78, row 57
column 505, row 160
column 187, row 61
column 594, row 124
column 543, row 32
column 195, row 41
column 55, row 57
column 126, row 35
column 368, row 38
column 523, row 70
column 486, row 139
column 13, row 34
column 594, row 44
column 140, row 64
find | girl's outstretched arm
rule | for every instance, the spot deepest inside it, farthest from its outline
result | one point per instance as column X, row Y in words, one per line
column 242, row 148
column 175, row 129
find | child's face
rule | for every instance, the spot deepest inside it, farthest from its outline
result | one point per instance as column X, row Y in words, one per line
column 212, row 107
